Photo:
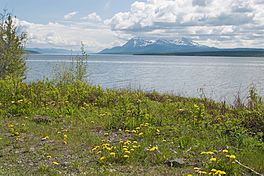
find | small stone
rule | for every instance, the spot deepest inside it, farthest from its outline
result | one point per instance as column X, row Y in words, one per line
column 178, row 162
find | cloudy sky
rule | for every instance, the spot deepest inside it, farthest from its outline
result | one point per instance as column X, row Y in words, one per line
column 102, row 24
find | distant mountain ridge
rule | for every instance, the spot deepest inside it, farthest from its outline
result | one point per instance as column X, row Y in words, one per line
column 50, row 51
column 182, row 46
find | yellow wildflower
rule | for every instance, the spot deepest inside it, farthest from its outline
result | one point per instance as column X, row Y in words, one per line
column 135, row 142
column 132, row 150
column 125, row 149
column 55, row 163
column 112, row 154
column 232, row 157
column 225, row 151
column 126, row 156
column 213, row 170
column 127, row 131
column 49, row 156
column 153, row 148
column 127, row 142
column 102, row 158
column 127, row 152
column 95, row 148
column 213, row 159
column 65, row 136
column 134, row 131
column 98, row 153
column 140, row 134
column 196, row 169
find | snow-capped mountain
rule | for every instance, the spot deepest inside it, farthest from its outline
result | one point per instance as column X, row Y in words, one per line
column 159, row 46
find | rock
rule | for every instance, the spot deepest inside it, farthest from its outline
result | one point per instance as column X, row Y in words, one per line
column 178, row 162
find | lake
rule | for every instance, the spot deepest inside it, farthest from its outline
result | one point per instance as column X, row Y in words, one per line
column 219, row 78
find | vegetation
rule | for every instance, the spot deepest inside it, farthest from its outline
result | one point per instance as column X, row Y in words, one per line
column 76, row 71
column 12, row 63
column 68, row 127
column 75, row 128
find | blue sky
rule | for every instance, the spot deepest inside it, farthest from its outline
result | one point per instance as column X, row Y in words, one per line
column 44, row 11
column 102, row 24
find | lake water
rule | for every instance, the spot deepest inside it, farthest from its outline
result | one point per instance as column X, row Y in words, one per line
column 220, row 78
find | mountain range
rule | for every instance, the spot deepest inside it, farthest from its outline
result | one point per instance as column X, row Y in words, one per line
column 183, row 46
column 52, row 51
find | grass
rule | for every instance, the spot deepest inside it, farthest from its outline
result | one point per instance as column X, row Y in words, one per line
column 49, row 128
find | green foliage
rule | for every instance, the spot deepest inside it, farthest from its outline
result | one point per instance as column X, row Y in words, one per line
column 76, row 71
column 57, row 125
column 12, row 63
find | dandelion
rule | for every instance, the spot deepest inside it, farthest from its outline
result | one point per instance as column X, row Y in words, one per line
column 65, row 136
column 134, row 131
column 136, row 146
column 20, row 101
column 126, row 156
column 135, row 142
column 65, row 142
column 213, row 170
column 213, row 159
column 153, row 149
column 106, row 134
column 138, row 128
column 112, row 154
column 232, row 157
column 219, row 172
column 55, row 163
column 127, row 152
column 132, row 150
column 98, row 153
column 196, row 169
column 158, row 131
column 125, row 149
column 95, row 148
column 140, row 134
column 49, row 157
column 202, row 172
column 225, row 151
column 207, row 153
column 102, row 158
column 127, row 142
column 108, row 148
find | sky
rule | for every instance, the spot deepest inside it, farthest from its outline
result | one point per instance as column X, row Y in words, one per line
column 100, row 24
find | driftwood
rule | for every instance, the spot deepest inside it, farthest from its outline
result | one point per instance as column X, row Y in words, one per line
column 246, row 167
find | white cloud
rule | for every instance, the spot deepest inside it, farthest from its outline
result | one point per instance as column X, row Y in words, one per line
column 70, row 15
column 69, row 36
column 234, row 23
column 92, row 17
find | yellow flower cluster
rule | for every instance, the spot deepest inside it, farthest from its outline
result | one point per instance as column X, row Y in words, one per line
column 207, row 153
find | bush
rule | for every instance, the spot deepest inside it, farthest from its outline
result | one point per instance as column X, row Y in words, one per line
column 12, row 63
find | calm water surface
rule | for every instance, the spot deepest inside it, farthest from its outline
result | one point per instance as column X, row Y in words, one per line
column 220, row 78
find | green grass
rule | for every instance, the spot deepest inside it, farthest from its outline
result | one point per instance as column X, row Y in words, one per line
column 48, row 128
